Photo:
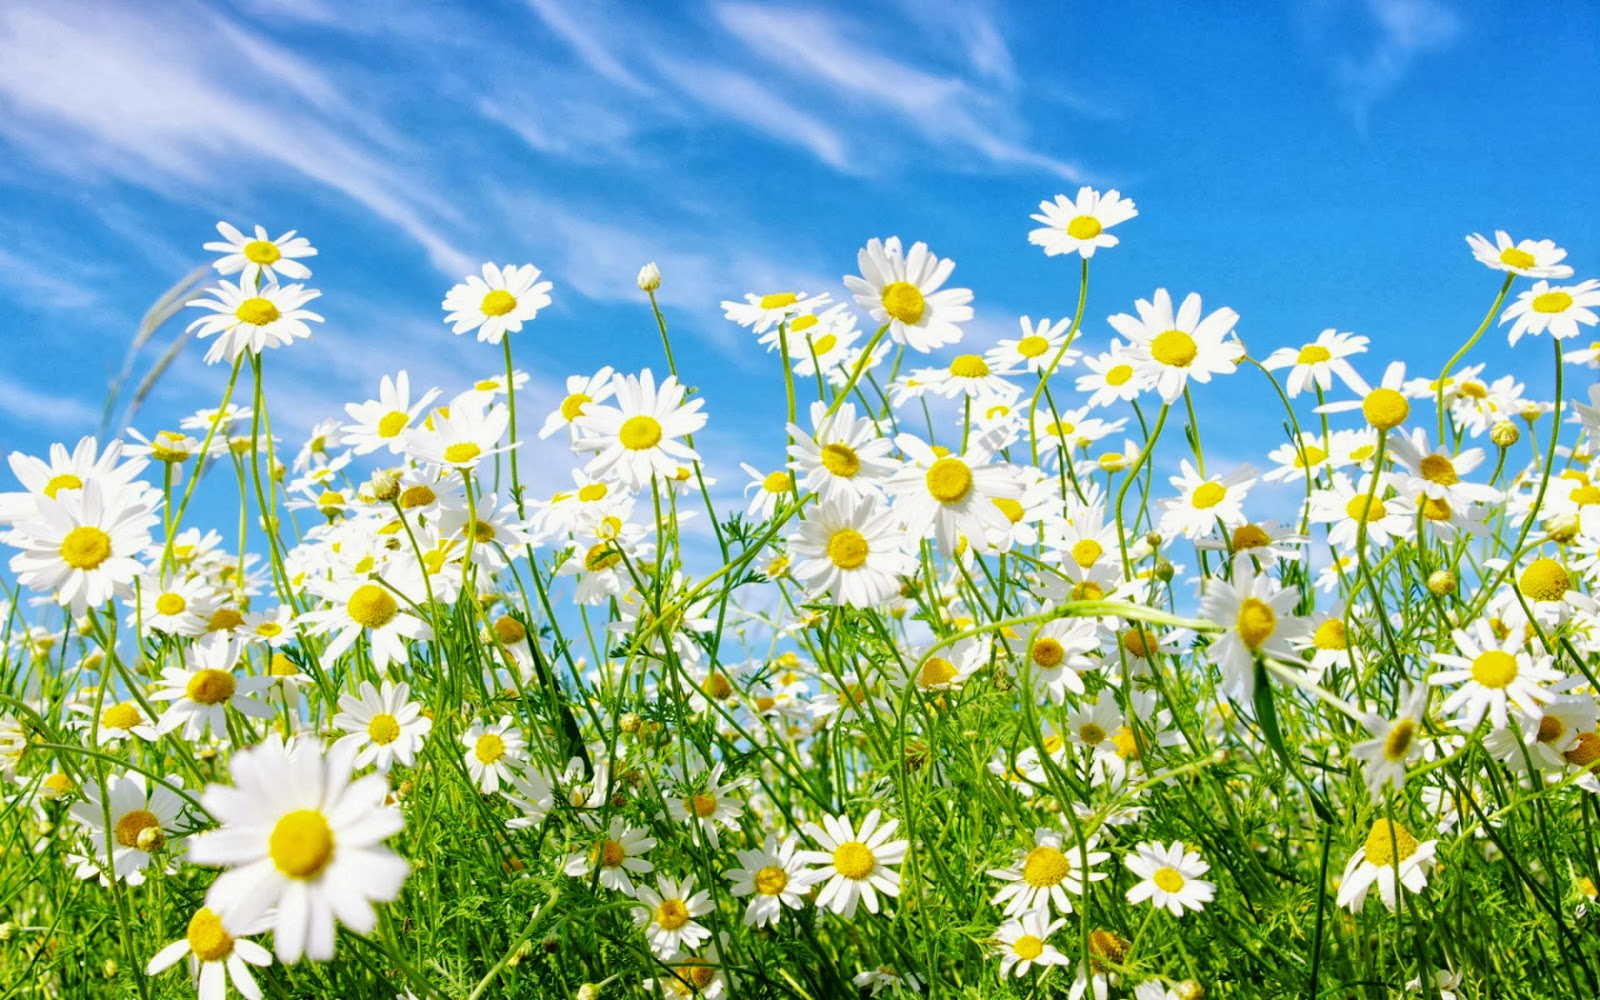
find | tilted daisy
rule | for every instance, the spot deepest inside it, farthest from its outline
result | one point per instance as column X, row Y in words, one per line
column 1058, row 656
column 1494, row 673
column 1317, row 363
column 261, row 258
column 83, row 546
column 382, row 422
column 1384, row 407
column 113, row 467
column 1168, row 349
column 359, row 606
column 498, row 303
column 615, row 854
column 1390, row 850
column 857, row 864
column 636, row 438
column 384, row 723
column 1023, row 942
column 203, row 690
column 904, row 291
column 1558, row 311
column 770, row 488
column 1079, row 225
column 1042, row 876
column 1205, row 502
column 118, row 721
column 581, row 391
column 1170, row 877
column 1436, row 473
column 1035, row 349
column 853, row 552
column 668, row 915
column 1394, row 741
column 215, row 956
column 1527, row 258
column 460, row 435
column 821, row 342
column 1351, row 507
column 302, row 839
column 843, row 457
column 967, row 375
column 1256, row 615
column 774, row 876
column 708, row 803
column 947, row 497
column 246, row 319
column 532, row 794
column 950, row 666
column 1112, row 377
column 761, row 313
column 494, row 752
column 142, row 818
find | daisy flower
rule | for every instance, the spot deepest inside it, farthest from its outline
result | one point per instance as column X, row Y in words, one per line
column 1079, row 225
column 1042, row 876
column 460, row 435
column 1205, row 502
column 142, row 817
column 774, row 876
column 1170, row 877
column 771, row 488
column 1112, row 377
column 967, row 375
column 1350, row 506
column 497, row 303
column 1033, row 352
column 174, row 606
column 202, row 691
column 384, row 723
column 820, row 343
column 366, row 607
column 261, row 258
column 493, row 753
column 120, row 720
column 619, row 852
column 668, row 913
column 948, row 496
column 1528, row 258
column 251, row 319
column 1023, row 943
column 1557, row 311
column 1493, row 673
column 1256, row 615
column 708, row 804
column 581, row 391
column 381, row 423
column 852, row 552
column 1384, row 407
column 532, row 794
column 1389, row 850
column 1436, row 473
column 1168, row 349
column 1316, row 363
column 842, row 458
column 83, row 545
column 302, row 839
column 1298, row 461
column 637, row 438
column 1059, row 654
column 215, row 956
column 67, row 471
column 903, row 291
column 857, row 864
column 950, row 667
column 761, row 313
column 1265, row 541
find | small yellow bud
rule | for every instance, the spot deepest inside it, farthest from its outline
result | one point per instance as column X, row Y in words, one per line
column 1441, row 583
column 1505, row 434
column 649, row 277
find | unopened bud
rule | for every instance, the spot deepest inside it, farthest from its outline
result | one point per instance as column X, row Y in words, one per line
column 384, row 485
column 1505, row 434
column 649, row 277
column 1562, row 528
column 631, row 722
column 109, row 969
column 1165, row 571
column 1189, row 990
column 589, row 991
column 1153, row 539
column 151, row 839
column 1441, row 583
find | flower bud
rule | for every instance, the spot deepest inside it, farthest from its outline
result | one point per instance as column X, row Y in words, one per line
column 1189, row 990
column 1505, row 434
column 1441, row 583
column 384, row 485
column 649, row 277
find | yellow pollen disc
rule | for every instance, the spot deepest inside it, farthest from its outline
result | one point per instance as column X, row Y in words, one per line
column 1048, row 653
column 486, row 385
column 778, row 300
column 1398, row 743
column 1494, row 669
column 1312, row 456
column 122, row 716
column 718, row 686
column 1032, row 346
column 462, row 451
column 133, row 823
column 1436, row 510
column 1312, row 354
column 903, row 301
column 1360, row 509
column 601, row 557
column 1552, row 302
column 170, row 604
column 498, row 303
column 1087, row 552
column 257, row 312
column 1250, row 536
column 210, row 687
column 1438, row 469
column 949, row 480
column 1551, row 728
column 263, row 252
column 1584, row 496
column 482, row 532
column 825, row 343
column 301, row 844
column 85, row 547
column 1167, row 879
column 847, row 548
column 1027, row 947
column 383, row 729
column 1119, row 374
column 413, row 497
column 1084, row 227
column 65, row 481
column 802, row 323
column 207, row 940
column 703, row 806
column 1385, row 408
column 1140, row 643
column 57, row 784
column 1092, row 733
column 1256, row 623
column 1513, row 257
column 1175, row 349
column 282, row 666
column 854, row 860
column 1544, row 580
column 593, row 492
column 1474, row 390
column 1010, row 508
column 1045, row 867
column 1389, row 842
column 936, row 671
column 330, row 499
column 612, row 854
column 508, row 631
column 672, row 914
column 372, row 606
column 489, row 748
column 1208, row 495
column 1585, row 751
column 572, row 406
column 1330, row 635
column 969, row 366
column 771, row 880
column 224, row 620
column 1088, row 590
column 640, row 433
column 1127, row 746
column 776, row 482
column 392, row 423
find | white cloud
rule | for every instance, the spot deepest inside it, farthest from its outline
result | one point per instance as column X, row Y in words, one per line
column 1401, row 32
column 53, row 409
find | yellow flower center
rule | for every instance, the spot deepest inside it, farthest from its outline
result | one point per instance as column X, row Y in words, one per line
column 1552, row 302
column 804, row 322
column 854, row 860
column 85, row 547
column 903, row 301
column 1127, row 746
column 384, row 729
column 1208, row 495
column 1250, row 536
column 1048, row 653
column 392, row 423
column 508, row 631
column 841, row 460
column 1585, row 751
column 823, row 344
column 263, row 252
column 1312, row 354
column 640, row 433
column 1363, row 508
column 1032, row 346
column 771, row 880
column 1045, row 866
column 123, row 716
column 672, row 914
column 372, row 606
column 1027, row 947
column 1174, row 348
column 1092, row 733
column 612, row 854
column 210, row 687
column 207, row 940
column 776, row 482
column 949, row 480
column 1084, row 227
column 1438, row 469
column 1256, row 623
column 1544, row 580
column 1551, row 729
column 1087, row 552
column 301, row 844
column 170, row 604
column 1388, row 843
column 969, row 366
column 257, row 311
column 413, row 497
column 1385, row 408
column 1398, row 743
column 936, row 671
column 1330, row 635
column 1088, row 590
column 717, row 686
column 133, row 823
column 462, row 451
column 498, row 302
column 1167, row 879
column 1119, row 374
column 1010, row 508
column 1436, row 510
column 1312, row 456
column 601, row 557
column 489, row 748
column 482, row 531
column 1494, row 669
column 703, row 806
column 778, row 300
column 1513, row 257
column 847, row 548
column 224, row 620
column 1585, row 496
column 65, row 481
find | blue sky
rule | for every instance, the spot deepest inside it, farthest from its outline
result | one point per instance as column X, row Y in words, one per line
column 1310, row 165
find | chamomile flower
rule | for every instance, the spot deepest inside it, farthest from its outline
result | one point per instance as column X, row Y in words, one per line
column 668, row 915
column 1079, row 225
column 360, row 606
column 215, row 956
column 949, row 667
column 770, row 488
column 618, row 853
column 581, row 391
column 261, row 258
column 1169, row 348
column 1390, row 858
column 1317, row 363
column 774, row 877
column 246, row 319
column 761, row 313
column 493, row 753
column 905, row 292
column 947, row 496
column 1527, row 258
column 384, row 723
column 1170, row 877
column 855, row 863
column 300, row 838
column 142, row 818
column 1436, row 473
column 1035, row 350
column 852, row 552
column 637, row 438
column 1112, row 377
column 83, row 546
column 708, row 804
column 203, row 690
column 1349, row 507
column 1205, row 502
column 461, row 435
column 1558, row 311
column 1384, row 407
column 843, row 457
column 121, row 719
column 497, row 303
column 1044, row 875
column 967, row 375
column 1257, row 617
column 113, row 467
column 1023, row 942
column 1059, row 655
column 175, row 606
column 382, row 422
column 1494, row 673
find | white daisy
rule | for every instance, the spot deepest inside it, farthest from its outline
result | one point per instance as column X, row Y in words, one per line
column 857, row 864
column 904, row 292
column 1079, row 225
column 581, row 391
column 1168, row 349
column 668, row 915
column 1023, row 942
column 1528, row 258
column 142, row 819
column 493, row 753
column 1256, row 615
column 1042, row 876
column 636, row 438
column 1316, row 363
column 1388, row 851
column 842, row 458
column 206, row 687
column 617, row 853
column 1553, row 310
column 261, row 258
column 1170, row 877
column 1493, row 673
column 774, row 876
column 83, row 545
column 852, row 552
column 251, row 319
column 215, row 956
column 384, row 723
column 382, row 422
column 497, row 303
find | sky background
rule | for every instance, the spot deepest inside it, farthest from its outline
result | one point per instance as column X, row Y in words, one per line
column 1311, row 165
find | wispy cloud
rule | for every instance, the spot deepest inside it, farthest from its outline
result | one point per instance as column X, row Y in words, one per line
column 1395, row 33
column 28, row 404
